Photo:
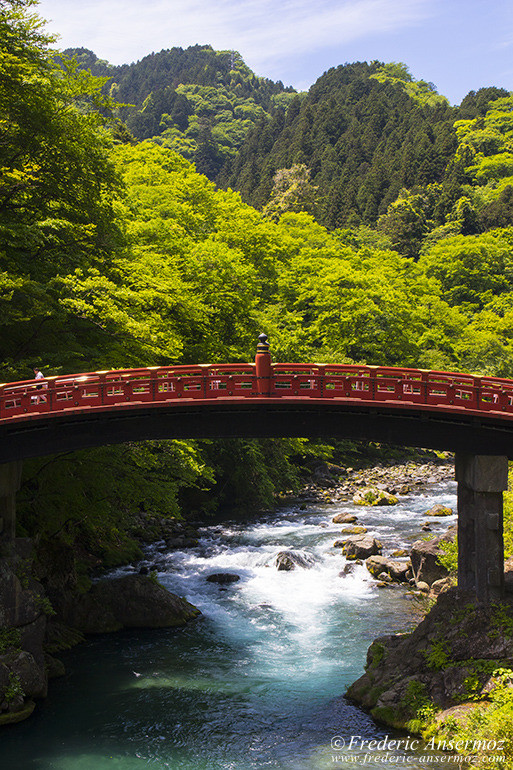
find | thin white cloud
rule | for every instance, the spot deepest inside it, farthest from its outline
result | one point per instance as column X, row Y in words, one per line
column 265, row 32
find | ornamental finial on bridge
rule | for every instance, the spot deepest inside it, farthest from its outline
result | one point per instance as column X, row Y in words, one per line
column 263, row 366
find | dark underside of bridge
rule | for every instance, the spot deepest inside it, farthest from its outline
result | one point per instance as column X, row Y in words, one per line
column 455, row 431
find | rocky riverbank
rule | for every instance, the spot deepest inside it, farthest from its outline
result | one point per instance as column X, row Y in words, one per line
column 334, row 483
column 451, row 665
column 35, row 627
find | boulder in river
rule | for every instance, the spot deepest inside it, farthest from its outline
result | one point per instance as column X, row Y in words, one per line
column 396, row 570
column 359, row 546
column 439, row 510
column 223, row 577
column 374, row 496
column 354, row 531
column 344, row 518
column 289, row 560
column 133, row 601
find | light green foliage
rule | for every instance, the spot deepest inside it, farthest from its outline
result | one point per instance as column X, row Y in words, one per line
column 292, row 191
column 335, row 302
column 437, row 655
column 448, row 555
column 501, row 621
column 416, row 706
column 472, row 270
column 486, row 730
column 196, row 261
column 55, row 187
column 398, row 74
column 485, row 157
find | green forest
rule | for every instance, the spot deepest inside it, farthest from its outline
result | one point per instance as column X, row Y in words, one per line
column 170, row 210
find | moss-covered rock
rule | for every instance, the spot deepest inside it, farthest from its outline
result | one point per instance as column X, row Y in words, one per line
column 449, row 658
column 374, row 496
column 439, row 510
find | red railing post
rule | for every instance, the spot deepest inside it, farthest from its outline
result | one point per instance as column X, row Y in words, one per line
column 263, row 366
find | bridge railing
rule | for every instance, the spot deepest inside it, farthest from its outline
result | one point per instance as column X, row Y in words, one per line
column 127, row 387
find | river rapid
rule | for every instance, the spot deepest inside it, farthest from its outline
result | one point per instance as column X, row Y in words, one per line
column 258, row 680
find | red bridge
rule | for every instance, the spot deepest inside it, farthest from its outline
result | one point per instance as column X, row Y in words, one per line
column 413, row 407
column 472, row 416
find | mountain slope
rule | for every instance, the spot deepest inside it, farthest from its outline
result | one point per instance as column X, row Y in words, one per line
column 364, row 135
column 196, row 101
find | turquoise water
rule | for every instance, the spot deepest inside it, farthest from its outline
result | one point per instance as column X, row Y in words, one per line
column 257, row 682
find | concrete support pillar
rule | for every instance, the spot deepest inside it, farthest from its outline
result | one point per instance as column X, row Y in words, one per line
column 481, row 481
column 10, row 477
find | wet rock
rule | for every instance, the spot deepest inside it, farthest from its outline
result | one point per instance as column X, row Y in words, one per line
column 181, row 541
column 289, row 560
column 31, row 676
column 347, row 570
column 223, row 577
column 18, row 711
column 54, row 667
column 344, row 518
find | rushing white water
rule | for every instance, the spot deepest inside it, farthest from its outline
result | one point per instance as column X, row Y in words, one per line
column 259, row 680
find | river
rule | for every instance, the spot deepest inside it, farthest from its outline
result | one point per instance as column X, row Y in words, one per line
column 258, row 681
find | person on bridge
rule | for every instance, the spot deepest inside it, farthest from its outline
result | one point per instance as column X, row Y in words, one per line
column 38, row 375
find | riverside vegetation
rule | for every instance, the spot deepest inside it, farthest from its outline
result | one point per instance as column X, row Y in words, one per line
column 366, row 221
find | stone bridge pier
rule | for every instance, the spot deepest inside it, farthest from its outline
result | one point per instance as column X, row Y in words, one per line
column 481, row 481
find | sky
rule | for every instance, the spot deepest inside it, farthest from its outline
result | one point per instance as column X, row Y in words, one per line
column 459, row 45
